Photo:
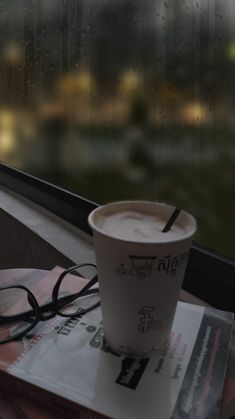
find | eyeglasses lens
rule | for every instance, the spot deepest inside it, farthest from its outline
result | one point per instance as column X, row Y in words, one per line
column 14, row 302
column 69, row 299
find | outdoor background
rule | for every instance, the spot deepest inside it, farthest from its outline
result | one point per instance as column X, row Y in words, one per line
column 125, row 99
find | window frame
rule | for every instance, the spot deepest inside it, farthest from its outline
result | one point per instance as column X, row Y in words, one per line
column 209, row 276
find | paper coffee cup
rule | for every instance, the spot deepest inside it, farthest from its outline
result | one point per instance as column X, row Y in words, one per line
column 140, row 272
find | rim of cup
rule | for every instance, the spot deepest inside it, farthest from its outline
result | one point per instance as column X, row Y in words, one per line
column 150, row 208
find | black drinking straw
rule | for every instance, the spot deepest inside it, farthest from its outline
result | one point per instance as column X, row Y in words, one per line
column 171, row 220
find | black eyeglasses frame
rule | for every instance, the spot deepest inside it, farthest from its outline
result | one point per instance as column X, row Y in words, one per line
column 48, row 311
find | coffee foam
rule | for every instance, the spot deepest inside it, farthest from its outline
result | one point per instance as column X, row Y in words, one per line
column 138, row 226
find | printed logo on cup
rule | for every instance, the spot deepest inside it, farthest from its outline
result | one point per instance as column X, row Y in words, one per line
column 140, row 267
column 170, row 264
column 146, row 319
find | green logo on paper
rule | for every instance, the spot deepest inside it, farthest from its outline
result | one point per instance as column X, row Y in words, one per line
column 98, row 341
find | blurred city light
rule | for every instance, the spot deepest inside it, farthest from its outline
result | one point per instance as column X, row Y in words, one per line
column 231, row 51
column 130, row 83
column 194, row 113
column 77, row 84
column 13, row 54
column 7, row 137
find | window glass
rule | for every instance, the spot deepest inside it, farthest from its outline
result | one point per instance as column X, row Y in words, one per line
column 125, row 99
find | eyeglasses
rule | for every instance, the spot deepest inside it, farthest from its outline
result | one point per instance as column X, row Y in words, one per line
column 67, row 300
